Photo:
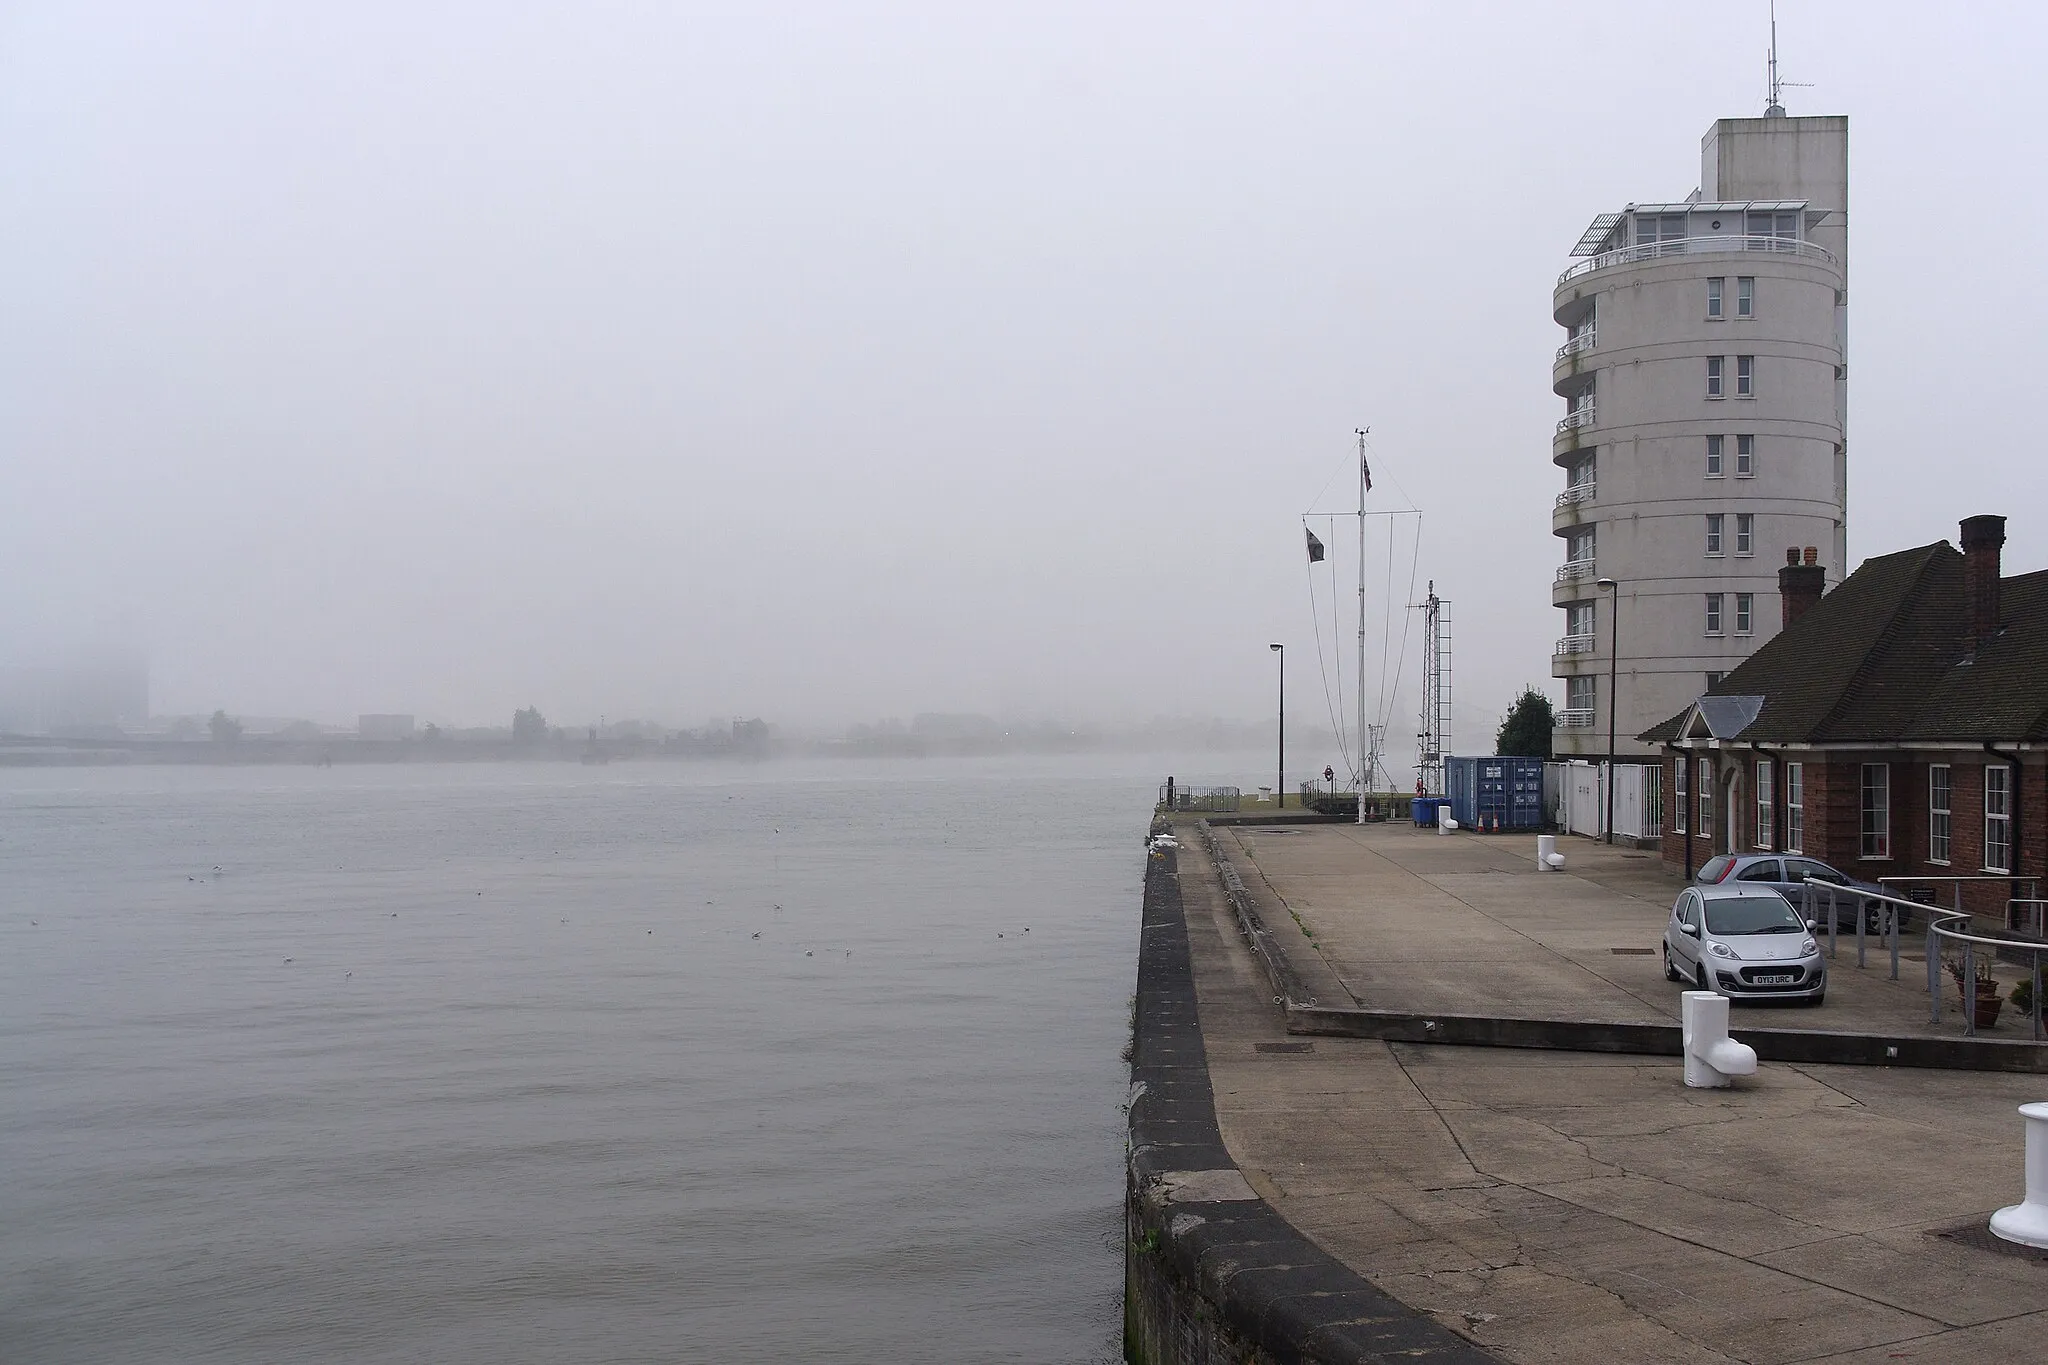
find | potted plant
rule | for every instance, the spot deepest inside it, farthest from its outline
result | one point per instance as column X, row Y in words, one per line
column 2022, row 996
column 1979, row 993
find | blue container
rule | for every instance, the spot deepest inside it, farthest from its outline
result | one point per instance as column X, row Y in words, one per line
column 1423, row 811
column 1496, row 793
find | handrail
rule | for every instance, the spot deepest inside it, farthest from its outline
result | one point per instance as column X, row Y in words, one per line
column 1573, row 568
column 1581, row 416
column 1575, row 644
column 1940, row 929
column 1578, row 492
column 1690, row 246
column 1575, row 718
column 1584, row 341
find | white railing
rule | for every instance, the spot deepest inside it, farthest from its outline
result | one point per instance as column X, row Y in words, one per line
column 1575, row 718
column 1574, row 644
column 1694, row 246
column 1580, row 416
column 1582, row 342
column 1578, row 492
column 1573, row 568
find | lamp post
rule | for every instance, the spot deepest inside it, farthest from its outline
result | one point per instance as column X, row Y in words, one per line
column 1608, row 585
column 1280, row 776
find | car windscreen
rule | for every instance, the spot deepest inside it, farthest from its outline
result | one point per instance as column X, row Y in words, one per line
column 1752, row 915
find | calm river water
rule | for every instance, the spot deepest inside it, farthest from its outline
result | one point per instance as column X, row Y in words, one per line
column 549, row 1063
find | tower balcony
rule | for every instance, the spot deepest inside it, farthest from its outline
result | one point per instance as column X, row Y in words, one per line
column 1696, row 246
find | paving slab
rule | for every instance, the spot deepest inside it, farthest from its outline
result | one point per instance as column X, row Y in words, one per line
column 1567, row 1207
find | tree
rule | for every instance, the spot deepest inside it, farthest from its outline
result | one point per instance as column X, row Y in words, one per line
column 529, row 726
column 225, row 730
column 1526, row 730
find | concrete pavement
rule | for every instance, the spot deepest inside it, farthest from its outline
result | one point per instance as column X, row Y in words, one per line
column 1579, row 1207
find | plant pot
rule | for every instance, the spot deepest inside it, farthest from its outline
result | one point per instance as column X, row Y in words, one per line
column 1989, row 1003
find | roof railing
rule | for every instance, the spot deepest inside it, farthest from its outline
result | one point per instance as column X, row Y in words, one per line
column 1694, row 246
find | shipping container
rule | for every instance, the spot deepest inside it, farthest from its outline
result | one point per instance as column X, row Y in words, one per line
column 1496, row 793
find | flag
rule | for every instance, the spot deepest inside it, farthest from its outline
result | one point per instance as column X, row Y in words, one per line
column 1315, row 547
column 1365, row 471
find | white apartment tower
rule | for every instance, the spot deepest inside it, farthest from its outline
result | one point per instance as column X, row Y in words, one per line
column 1705, row 383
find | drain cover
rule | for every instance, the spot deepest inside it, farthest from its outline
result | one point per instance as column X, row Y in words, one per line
column 1283, row 1047
column 1632, row 952
column 1977, row 1233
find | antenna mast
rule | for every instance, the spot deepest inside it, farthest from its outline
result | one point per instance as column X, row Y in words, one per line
column 1435, row 736
column 1364, row 733
column 1776, row 108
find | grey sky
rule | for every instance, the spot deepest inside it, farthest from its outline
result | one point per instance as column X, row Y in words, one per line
column 823, row 361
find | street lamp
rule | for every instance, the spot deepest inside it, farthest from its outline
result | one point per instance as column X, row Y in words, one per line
column 1608, row 585
column 1280, row 777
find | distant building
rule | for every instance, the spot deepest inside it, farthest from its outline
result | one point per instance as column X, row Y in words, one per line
column 82, row 696
column 1705, row 387
column 384, row 727
column 1893, row 727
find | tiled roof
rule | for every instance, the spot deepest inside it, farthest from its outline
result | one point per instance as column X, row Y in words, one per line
column 1887, row 657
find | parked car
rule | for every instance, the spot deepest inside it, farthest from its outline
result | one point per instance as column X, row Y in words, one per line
column 1786, row 874
column 1743, row 941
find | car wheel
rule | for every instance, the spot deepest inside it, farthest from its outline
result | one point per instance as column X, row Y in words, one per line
column 1817, row 1000
column 1671, row 973
column 1699, row 977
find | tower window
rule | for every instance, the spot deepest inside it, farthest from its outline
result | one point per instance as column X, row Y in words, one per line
column 1717, row 366
column 1714, row 613
column 1745, row 612
column 1714, row 524
column 1745, row 532
column 1745, row 297
column 1714, row 296
column 1745, row 376
column 1745, row 456
column 1713, row 457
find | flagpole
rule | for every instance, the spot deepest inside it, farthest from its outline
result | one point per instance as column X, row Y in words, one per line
column 1365, row 761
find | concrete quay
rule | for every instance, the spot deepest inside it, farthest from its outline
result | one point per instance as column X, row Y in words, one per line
column 1558, row 1205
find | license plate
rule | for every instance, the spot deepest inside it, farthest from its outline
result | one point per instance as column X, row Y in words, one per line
column 1774, row 978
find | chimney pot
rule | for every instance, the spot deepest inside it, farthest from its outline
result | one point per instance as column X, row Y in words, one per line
column 1982, row 537
column 1791, row 554
column 1812, row 555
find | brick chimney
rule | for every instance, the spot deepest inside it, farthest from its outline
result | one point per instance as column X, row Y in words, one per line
column 1982, row 538
column 1799, row 585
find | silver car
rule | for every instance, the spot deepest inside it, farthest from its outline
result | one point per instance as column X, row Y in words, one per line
column 1745, row 942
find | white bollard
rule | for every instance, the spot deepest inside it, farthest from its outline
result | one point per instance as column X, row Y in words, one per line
column 1444, row 823
column 1712, row 1058
column 1546, row 849
column 2027, row 1223
column 1556, row 861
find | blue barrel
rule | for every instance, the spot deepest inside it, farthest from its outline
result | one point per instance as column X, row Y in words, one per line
column 1423, row 810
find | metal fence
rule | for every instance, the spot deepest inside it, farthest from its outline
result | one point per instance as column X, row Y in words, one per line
column 1576, row 793
column 1175, row 797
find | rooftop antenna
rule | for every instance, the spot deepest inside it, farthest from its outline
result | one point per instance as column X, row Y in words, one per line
column 1776, row 108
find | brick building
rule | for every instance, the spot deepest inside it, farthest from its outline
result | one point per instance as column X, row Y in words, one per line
column 1897, row 726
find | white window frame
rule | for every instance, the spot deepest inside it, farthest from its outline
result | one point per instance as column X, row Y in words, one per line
column 1717, row 368
column 1745, row 376
column 1745, row 533
column 1745, row 296
column 1586, row 684
column 1681, row 778
column 1745, row 613
column 1745, row 457
column 1716, row 287
column 1706, row 786
column 1715, row 465
column 1875, row 812
column 1716, row 524
column 1766, row 823
column 1998, row 817
column 1941, row 802
column 1795, row 807
column 1582, row 618
column 1715, row 612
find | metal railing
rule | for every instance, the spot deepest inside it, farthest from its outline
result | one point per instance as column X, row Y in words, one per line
column 1580, row 416
column 1695, row 246
column 1575, row 644
column 1575, row 718
column 1584, row 341
column 1573, row 568
column 1578, row 492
